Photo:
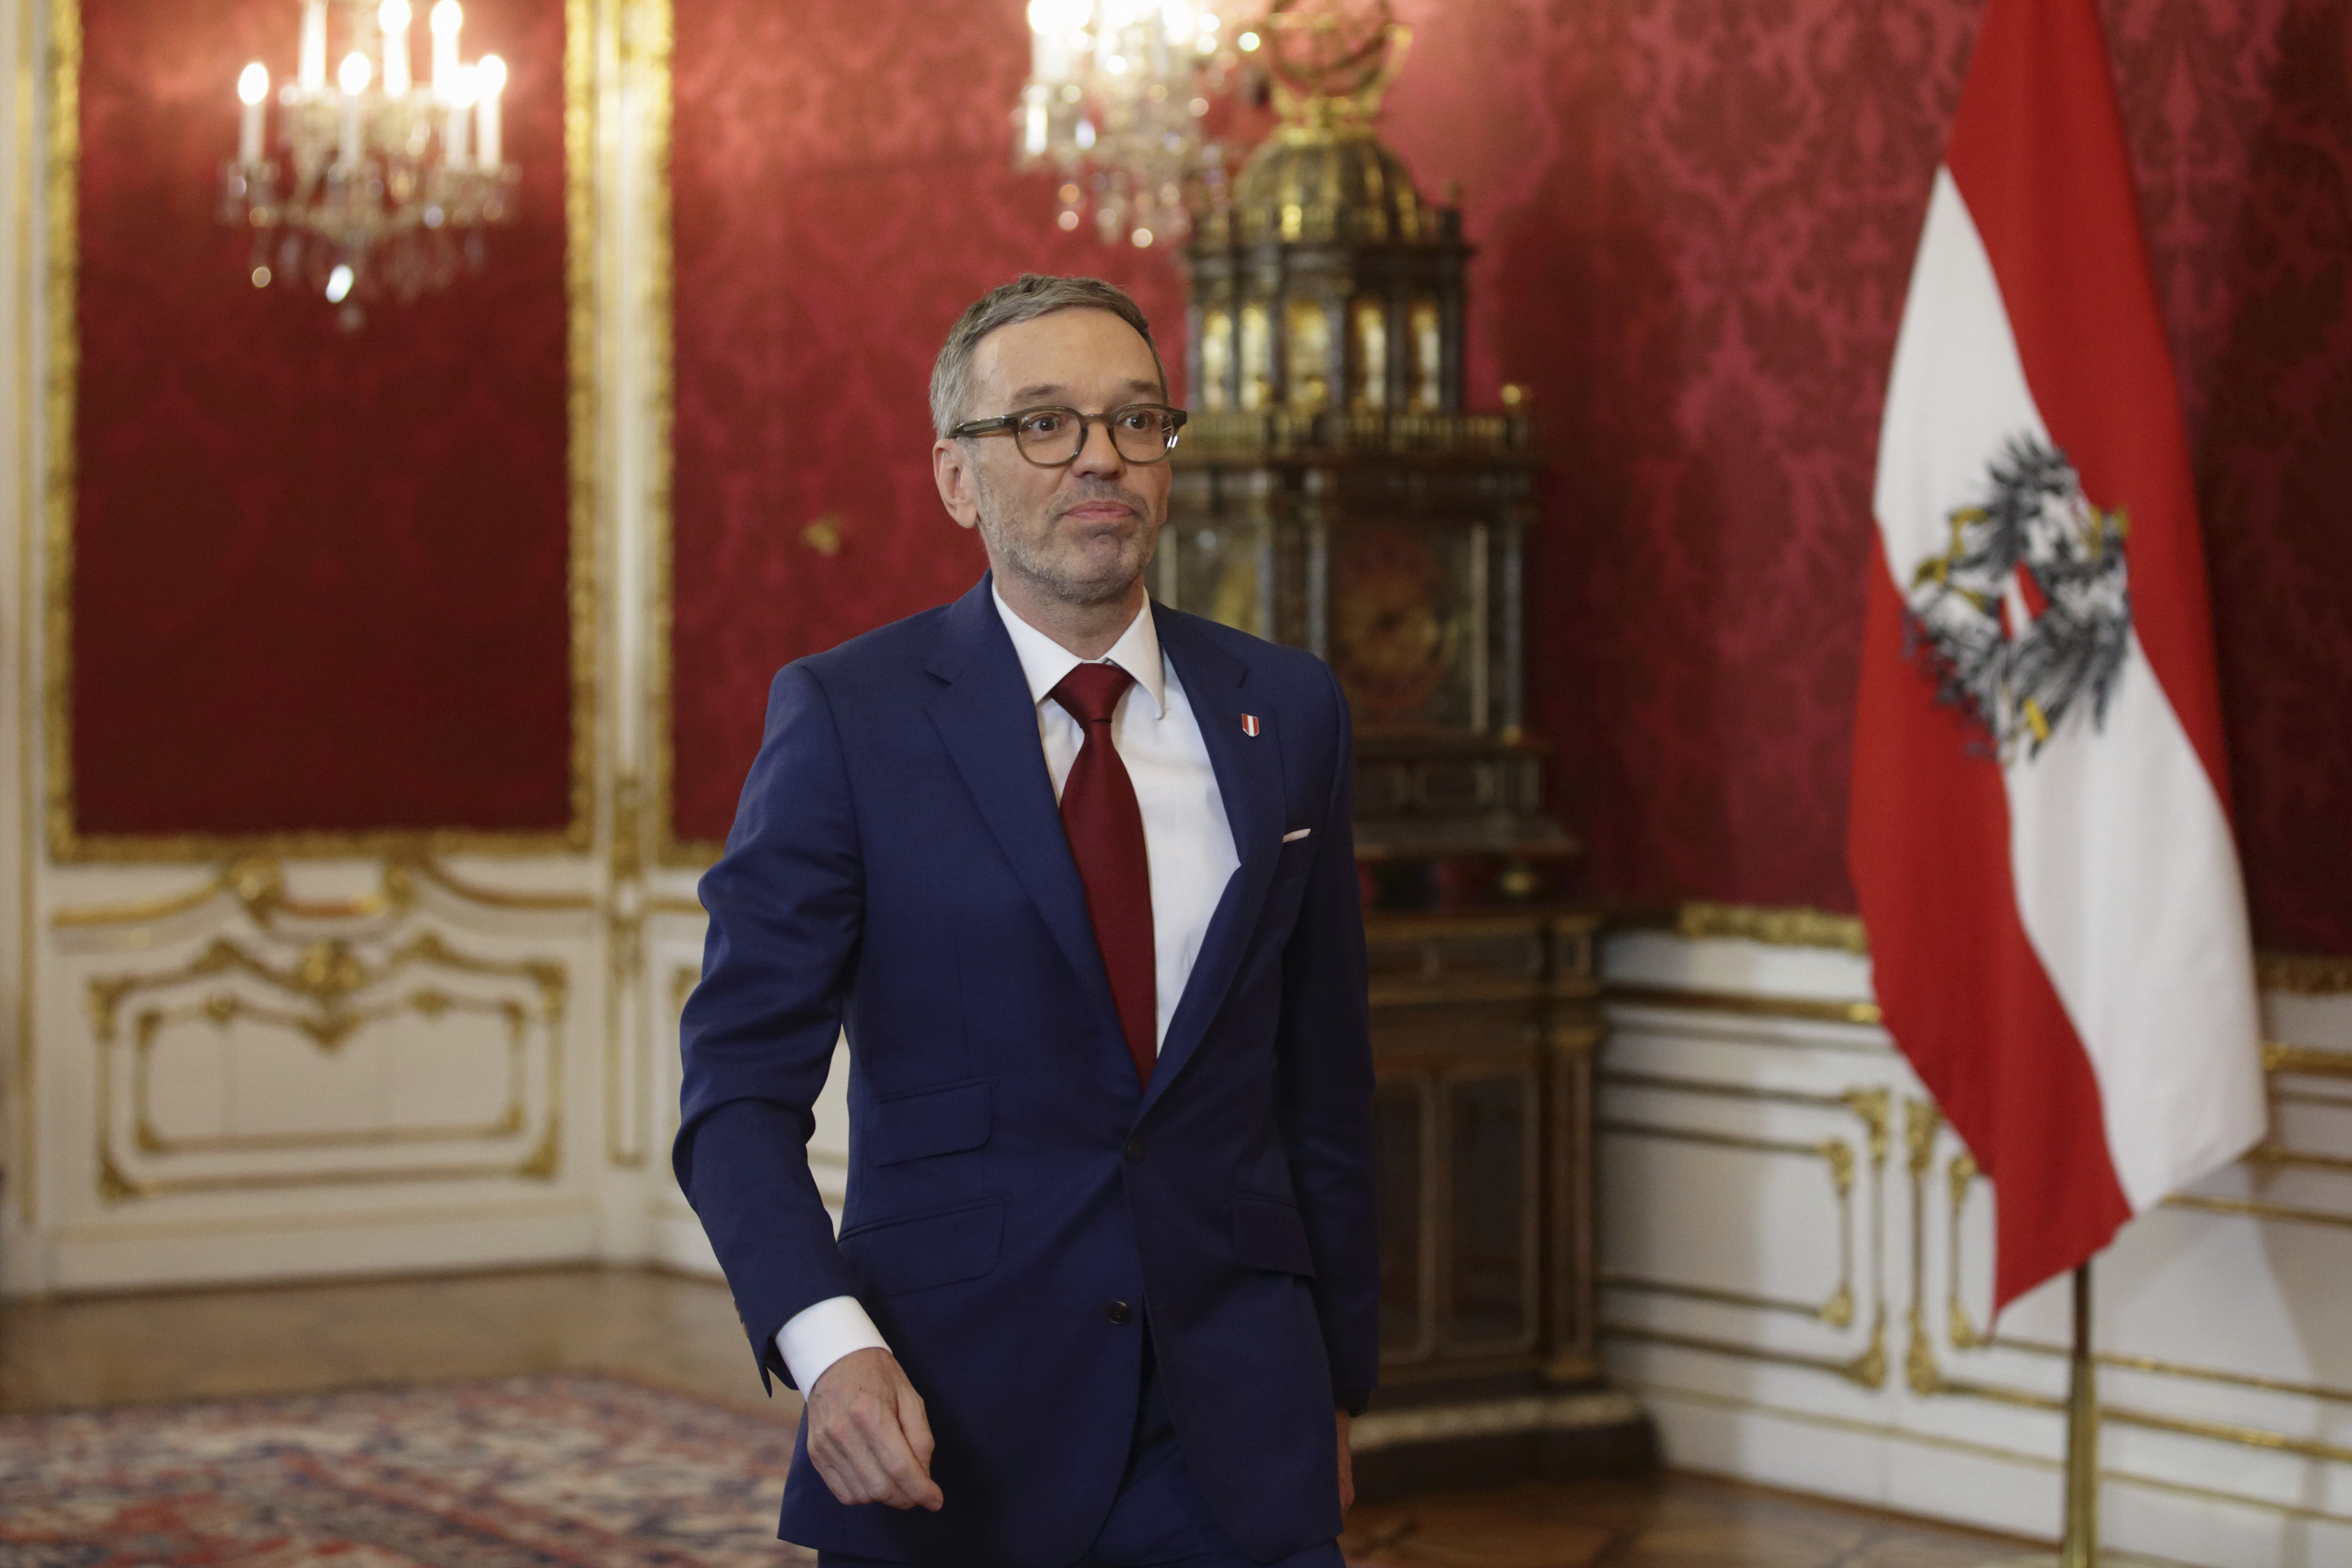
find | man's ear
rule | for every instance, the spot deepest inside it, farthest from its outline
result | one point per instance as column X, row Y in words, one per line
column 959, row 485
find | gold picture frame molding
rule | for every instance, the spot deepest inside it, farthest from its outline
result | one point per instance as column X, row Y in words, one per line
column 584, row 393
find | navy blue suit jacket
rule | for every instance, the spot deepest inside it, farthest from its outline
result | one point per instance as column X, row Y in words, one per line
column 897, row 868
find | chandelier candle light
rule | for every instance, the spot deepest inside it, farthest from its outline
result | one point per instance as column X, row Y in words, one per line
column 370, row 198
column 1116, row 95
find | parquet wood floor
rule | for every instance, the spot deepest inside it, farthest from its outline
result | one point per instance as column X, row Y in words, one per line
column 170, row 1347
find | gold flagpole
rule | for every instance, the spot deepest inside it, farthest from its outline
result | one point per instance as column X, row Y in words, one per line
column 2080, row 1546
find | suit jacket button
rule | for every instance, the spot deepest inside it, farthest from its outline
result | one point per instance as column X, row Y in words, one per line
column 1120, row 1312
column 1135, row 1150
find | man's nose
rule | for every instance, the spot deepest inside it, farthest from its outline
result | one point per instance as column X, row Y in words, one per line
column 1097, row 453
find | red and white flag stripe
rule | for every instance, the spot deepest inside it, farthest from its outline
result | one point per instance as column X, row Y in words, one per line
column 2058, row 933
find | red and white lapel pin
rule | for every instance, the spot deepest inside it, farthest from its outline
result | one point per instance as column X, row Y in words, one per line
column 1249, row 724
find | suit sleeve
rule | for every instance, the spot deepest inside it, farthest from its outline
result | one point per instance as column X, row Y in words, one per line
column 787, row 905
column 1324, row 1046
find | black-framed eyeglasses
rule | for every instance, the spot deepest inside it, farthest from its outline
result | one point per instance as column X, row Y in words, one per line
column 1052, row 437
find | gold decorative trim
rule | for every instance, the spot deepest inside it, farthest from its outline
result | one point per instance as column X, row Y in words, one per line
column 655, row 42
column 2306, row 1061
column 22, row 1162
column 584, row 399
column 1837, row 1311
column 328, row 975
column 259, row 882
column 2157, row 1367
column 1789, row 926
column 1814, row 1009
column 1798, row 925
column 67, row 843
column 63, row 341
column 223, row 1007
column 2255, row 1208
column 2304, row 974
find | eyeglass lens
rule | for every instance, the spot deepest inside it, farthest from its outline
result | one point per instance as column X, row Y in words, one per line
column 1053, row 435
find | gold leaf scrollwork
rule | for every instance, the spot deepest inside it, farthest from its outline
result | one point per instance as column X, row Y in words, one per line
column 329, row 981
column 258, row 882
column 1921, row 1122
column 1959, row 1176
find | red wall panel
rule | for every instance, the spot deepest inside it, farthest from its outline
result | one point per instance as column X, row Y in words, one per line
column 1696, row 222
column 319, row 579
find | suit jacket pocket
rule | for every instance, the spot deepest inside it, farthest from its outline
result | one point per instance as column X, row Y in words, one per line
column 897, row 1256
column 932, row 1122
column 1268, row 1233
column 1295, row 856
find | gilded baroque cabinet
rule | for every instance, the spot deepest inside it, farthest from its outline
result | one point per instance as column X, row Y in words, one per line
column 1333, row 492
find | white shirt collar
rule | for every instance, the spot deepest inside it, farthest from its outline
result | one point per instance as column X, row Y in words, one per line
column 1044, row 661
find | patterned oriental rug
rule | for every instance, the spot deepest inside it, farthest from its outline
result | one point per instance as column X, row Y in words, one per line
column 570, row 1471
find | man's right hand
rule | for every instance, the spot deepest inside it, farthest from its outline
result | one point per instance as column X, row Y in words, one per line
column 868, row 1436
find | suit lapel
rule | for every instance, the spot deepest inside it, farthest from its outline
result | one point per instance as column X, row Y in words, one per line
column 1249, row 778
column 989, row 724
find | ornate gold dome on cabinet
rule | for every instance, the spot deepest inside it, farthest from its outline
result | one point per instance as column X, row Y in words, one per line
column 1311, row 183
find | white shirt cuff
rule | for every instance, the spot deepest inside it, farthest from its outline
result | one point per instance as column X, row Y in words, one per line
column 818, row 1336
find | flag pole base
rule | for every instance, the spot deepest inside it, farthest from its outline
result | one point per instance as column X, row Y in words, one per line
column 2081, row 1547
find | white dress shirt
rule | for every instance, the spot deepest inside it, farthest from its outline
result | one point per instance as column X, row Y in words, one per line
column 1188, row 844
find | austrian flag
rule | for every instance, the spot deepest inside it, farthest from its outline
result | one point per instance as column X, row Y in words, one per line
column 2041, row 829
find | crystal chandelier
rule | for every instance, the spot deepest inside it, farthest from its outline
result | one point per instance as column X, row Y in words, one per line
column 1117, row 94
column 388, row 181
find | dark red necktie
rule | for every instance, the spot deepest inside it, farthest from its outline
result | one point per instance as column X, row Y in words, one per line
column 1105, row 827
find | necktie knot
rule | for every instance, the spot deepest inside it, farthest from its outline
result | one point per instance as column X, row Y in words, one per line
column 1089, row 693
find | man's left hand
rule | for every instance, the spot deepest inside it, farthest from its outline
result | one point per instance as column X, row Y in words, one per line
column 1347, row 1469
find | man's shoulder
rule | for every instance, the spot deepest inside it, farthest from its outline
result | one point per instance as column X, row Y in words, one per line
column 893, row 652
column 1288, row 669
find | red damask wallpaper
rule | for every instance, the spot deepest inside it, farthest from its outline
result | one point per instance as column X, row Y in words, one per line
column 1697, row 220
column 843, row 190
column 318, row 578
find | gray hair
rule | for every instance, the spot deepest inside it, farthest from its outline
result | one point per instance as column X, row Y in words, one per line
column 1026, row 299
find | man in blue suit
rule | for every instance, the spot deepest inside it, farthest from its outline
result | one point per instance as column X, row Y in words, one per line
column 1074, row 871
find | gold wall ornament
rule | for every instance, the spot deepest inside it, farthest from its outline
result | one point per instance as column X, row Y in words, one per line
column 1794, row 926
column 2304, row 974
column 328, row 980
column 258, row 883
column 67, row 842
column 223, row 1008
column 1755, row 1005
column 2306, row 1061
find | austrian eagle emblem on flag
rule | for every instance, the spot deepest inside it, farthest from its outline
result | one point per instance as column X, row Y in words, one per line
column 2024, row 619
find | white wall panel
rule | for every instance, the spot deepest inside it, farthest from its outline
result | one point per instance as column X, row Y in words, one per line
column 1734, row 1070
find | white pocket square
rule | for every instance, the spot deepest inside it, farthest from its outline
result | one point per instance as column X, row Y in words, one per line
column 1296, row 833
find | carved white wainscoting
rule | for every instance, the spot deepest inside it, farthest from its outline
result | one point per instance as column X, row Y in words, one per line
column 1796, row 1257
column 348, row 1067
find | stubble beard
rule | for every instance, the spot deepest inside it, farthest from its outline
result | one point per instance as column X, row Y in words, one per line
column 1043, row 558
